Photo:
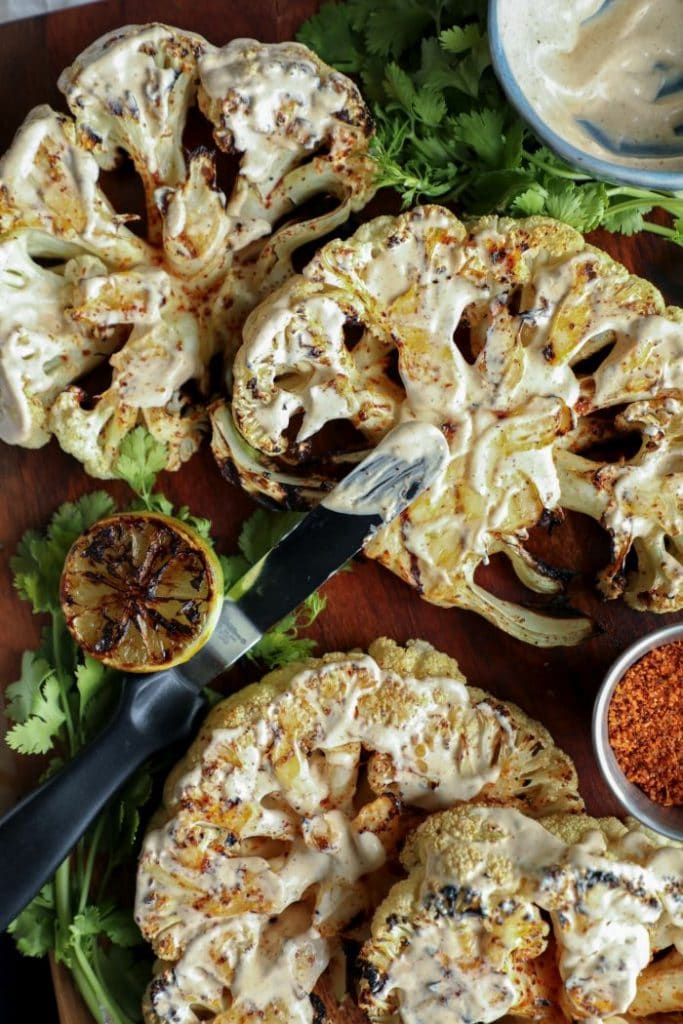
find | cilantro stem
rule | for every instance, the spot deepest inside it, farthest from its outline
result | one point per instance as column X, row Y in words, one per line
column 86, row 877
column 63, row 895
column 102, row 1006
column 86, row 981
column 656, row 198
column 557, row 172
column 63, row 682
column 638, row 199
column 88, row 995
column 122, row 1017
column 628, row 204
column 663, row 230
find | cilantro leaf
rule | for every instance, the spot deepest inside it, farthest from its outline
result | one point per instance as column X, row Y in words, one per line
column 33, row 578
column 37, row 564
column 513, row 151
column 391, row 28
column 468, row 70
column 20, row 696
column 91, row 676
column 482, row 131
column 531, row 201
column 199, row 524
column 494, row 190
column 445, row 128
column 399, row 86
column 282, row 644
column 36, row 733
column 34, row 929
column 125, row 975
column 234, row 567
column 72, row 518
column 117, row 924
column 98, row 688
column 263, row 530
column 459, row 39
column 141, row 459
column 432, row 60
column 580, row 206
column 125, row 814
column 628, row 221
column 329, row 33
column 153, row 502
column 429, row 108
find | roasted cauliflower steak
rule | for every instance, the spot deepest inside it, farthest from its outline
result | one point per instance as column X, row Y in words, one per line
column 505, row 917
column 527, row 347
column 279, row 828
column 78, row 287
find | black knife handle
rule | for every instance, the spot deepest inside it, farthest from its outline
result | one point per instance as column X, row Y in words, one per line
column 39, row 833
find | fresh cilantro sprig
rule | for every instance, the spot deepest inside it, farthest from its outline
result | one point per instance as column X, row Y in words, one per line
column 445, row 130
column 61, row 701
column 141, row 459
column 58, row 704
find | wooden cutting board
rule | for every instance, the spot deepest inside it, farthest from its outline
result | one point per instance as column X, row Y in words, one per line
column 557, row 686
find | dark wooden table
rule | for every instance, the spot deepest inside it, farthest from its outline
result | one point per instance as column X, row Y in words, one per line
column 557, row 685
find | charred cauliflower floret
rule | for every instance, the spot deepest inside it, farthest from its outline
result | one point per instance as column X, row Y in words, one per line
column 278, row 826
column 639, row 501
column 486, row 332
column 52, row 211
column 160, row 308
column 465, row 937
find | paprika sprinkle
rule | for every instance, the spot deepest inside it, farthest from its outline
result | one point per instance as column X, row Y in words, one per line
column 646, row 724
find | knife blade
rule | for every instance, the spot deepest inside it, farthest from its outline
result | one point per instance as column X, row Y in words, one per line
column 161, row 708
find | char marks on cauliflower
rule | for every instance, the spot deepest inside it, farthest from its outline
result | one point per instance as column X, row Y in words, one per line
column 280, row 826
column 489, row 332
column 162, row 307
column 556, row 920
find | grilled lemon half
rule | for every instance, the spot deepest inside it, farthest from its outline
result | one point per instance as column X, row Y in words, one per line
column 141, row 591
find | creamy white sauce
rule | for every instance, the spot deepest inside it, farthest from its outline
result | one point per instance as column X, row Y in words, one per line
column 603, row 905
column 43, row 349
column 410, row 282
column 131, row 91
column 289, row 779
column 444, row 977
column 503, row 414
column 131, row 88
column 606, row 75
column 274, row 101
column 52, row 188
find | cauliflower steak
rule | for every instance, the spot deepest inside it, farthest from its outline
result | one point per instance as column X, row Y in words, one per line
column 465, row 937
column 527, row 347
column 78, row 287
column 279, row 828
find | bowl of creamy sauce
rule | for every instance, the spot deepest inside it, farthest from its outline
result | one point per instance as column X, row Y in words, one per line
column 599, row 81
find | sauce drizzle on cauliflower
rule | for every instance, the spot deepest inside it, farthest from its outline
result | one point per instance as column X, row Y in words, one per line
column 279, row 822
column 160, row 308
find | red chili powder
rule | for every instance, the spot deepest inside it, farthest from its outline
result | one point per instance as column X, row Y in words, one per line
column 646, row 724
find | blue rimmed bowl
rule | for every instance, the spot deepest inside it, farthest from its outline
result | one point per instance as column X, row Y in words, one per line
column 522, row 59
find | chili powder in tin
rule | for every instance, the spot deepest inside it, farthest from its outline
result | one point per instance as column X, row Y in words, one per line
column 645, row 722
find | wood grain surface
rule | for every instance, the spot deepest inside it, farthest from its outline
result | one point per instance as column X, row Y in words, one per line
column 557, row 686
